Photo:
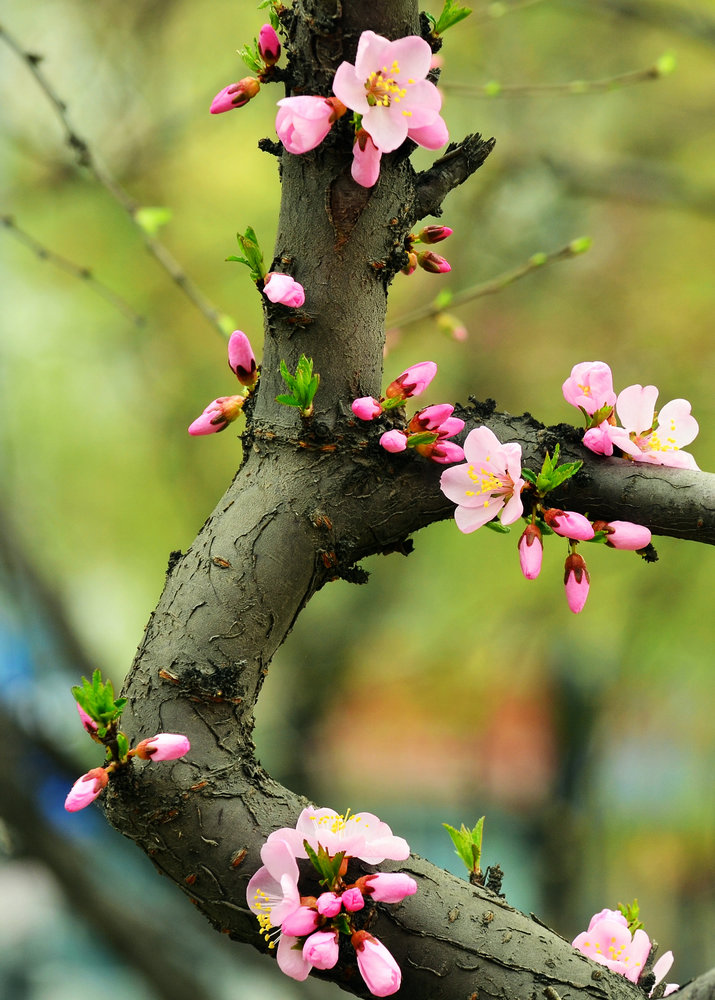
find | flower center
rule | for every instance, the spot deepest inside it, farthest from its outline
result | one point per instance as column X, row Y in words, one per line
column 262, row 901
column 382, row 88
column 487, row 482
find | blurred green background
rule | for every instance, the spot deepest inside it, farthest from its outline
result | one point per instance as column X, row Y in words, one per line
column 449, row 687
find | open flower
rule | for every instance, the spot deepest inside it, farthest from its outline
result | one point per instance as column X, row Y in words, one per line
column 608, row 941
column 387, row 86
column 646, row 439
column 272, row 894
column 489, row 483
column 359, row 835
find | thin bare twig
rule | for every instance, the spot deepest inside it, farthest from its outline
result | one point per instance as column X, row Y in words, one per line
column 663, row 67
column 498, row 8
column 447, row 301
column 83, row 273
column 85, row 158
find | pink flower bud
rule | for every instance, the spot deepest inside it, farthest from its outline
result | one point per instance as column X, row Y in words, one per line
column 282, row 288
column 599, row 439
column 624, row 534
column 412, row 381
column 590, row 386
column 576, row 581
column 377, row 966
column 86, row 789
column 431, row 418
column 269, row 46
column 87, row 721
column 321, row 949
column 444, row 452
column 411, row 265
column 388, row 887
column 353, row 900
column 235, row 95
column 217, row 415
column 303, row 122
column 394, row 441
column 163, row 746
column 241, row 359
column 366, row 160
column 531, row 551
column 366, row 408
column 300, row 922
column 431, row 261
column 433, row 234
column 329, row 904
column 569, row 524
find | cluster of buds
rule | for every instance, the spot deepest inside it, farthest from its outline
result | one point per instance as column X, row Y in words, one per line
column 647, row 435
column 99, row 713
column 428, row 430
column 306, row 930
column 491, row 484
column 222, row 411
column 427, row 259
column 616, row 939
column 262, row 58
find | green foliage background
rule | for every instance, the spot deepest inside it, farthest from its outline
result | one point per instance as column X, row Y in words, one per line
column 451, row 643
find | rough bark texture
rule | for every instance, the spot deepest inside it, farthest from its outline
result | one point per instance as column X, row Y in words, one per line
column 311, row 499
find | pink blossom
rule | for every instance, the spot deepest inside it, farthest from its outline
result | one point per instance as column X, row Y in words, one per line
column 388, row 887
column 660, row 971
column 289, row 956
column 300, row 922
column 235, row 95
column 284, row 289
column 329, row 904
column 217, row 415
column 488, row 483
column 366, row 408
column 87, row 721
column 608, row 941
column 436, row 418
column 366, row 160
column 387, row 86
column 531, row 551
column 444, row 452
column 624, row 534
column 598, row 439
column 269, row 46
column 432, row 136
column 321, row 949
column 353, row 900
column 272, row 893
column 569, row 524
column 359, row 835
column 163, row 746
column 241, row 359
column 413, row 380
column 377, row 966
column 86, row 789
column 430, row 261
column 576, row 581
column 394, row 441
column 607, row 914
column 303, row 122
column 590, row 386
column 647, row 440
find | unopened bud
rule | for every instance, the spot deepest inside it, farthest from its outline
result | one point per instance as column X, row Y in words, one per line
column 235, row 95
column 269, row 46
column 432, row 262
column 433, row 234
column 411, row 265
column 576, row 582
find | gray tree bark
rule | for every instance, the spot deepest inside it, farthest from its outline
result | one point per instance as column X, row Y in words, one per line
column 311, row 499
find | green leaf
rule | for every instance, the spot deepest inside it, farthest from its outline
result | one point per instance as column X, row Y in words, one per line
column 501, row 529
column 122, row 746
column 452, row 13
column 287, row 400
column 253, row 256
column 249, row 54
column 151, row 219
column 327, row 867
column 529, row 476
column 552, row 474
column 424, row 437
column 631, row 911
column 303, row 385
column 468, row 843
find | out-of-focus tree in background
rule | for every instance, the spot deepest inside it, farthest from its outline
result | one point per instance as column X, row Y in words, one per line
column 587, row 739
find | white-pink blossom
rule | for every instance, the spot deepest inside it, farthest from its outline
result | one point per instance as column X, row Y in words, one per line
column 387, row 86
column 272, row 894
column 359, row 835
column 590, row 386
column 488, row 483
column 647, row 439
column 608, row 941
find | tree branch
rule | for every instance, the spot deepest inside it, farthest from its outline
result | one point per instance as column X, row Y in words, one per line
column 459, row 162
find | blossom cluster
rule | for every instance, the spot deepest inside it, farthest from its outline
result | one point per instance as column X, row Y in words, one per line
column 306, row 929
column 490, row 484
column 428, row 430
column 646, row 435
column 222, row 411
column 609, row 942
column 386, row 89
